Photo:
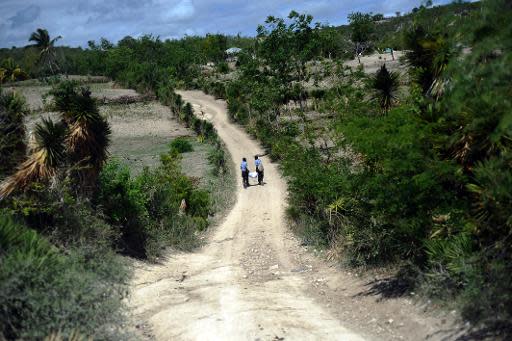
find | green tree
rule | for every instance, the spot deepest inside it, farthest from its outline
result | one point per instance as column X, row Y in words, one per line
column 214, row 47
column 286, row 49
column 362, row 27
column 78, row 144
column 428, row 53
column 46, row 47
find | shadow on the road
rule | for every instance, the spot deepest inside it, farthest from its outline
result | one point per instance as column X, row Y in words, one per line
column 391, row 287
column 253, row 185
column 497, row 331
column 399, row 286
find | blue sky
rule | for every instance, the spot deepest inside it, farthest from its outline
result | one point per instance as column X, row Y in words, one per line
column 80, row 21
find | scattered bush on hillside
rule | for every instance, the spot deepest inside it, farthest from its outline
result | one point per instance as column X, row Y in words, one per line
column 181, row 145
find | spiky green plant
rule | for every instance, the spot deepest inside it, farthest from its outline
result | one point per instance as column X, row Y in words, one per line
column 385, row 85
column 46, row 156
column 89, row 133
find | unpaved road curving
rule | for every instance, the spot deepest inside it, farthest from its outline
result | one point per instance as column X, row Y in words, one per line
column 254, row 281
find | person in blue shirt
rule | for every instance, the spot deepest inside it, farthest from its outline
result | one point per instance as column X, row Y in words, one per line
column 259, row 169
column 245, row 172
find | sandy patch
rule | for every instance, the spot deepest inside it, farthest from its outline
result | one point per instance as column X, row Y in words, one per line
column 373, row 62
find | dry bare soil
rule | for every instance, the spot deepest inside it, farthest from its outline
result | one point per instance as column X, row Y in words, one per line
column 372, row 63
column 253, row 280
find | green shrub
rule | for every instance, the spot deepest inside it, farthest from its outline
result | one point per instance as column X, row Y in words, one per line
column 199, row 204
column 217, row 158
column 77, row 223
column 222, row 67
column 146, row 208
column 181, row 145
column 12, row 132
column 43, row 290
column 124, row 206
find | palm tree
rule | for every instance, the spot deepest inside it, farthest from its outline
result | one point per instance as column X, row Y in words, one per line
column 385, row 84
column 47, row 154
column 46, row 46
column 88, row 133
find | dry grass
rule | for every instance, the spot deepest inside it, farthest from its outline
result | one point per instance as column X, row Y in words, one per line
column 141, row 132
column 35, row 93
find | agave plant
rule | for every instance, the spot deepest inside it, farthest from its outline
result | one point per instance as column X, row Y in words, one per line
column 385, row 84
column 43, row 162
column 46, row 46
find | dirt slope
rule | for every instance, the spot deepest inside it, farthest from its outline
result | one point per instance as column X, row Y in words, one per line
column 253, row 280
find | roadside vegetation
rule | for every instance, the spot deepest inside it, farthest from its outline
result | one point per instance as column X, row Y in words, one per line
column 405, row 168
column 69, row 211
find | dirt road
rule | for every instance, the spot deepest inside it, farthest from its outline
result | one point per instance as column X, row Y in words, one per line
column 254, row 281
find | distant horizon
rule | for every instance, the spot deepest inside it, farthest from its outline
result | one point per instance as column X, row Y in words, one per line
column 79, row 22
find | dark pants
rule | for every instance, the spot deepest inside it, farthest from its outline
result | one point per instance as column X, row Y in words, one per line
column 245, row 178
column 260, row 177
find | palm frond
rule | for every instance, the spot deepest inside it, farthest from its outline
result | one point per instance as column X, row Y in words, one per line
column 54, row 40
column 42, row 164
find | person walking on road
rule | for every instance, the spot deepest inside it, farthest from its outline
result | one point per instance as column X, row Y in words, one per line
column 259, row 169
column 245, row 172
